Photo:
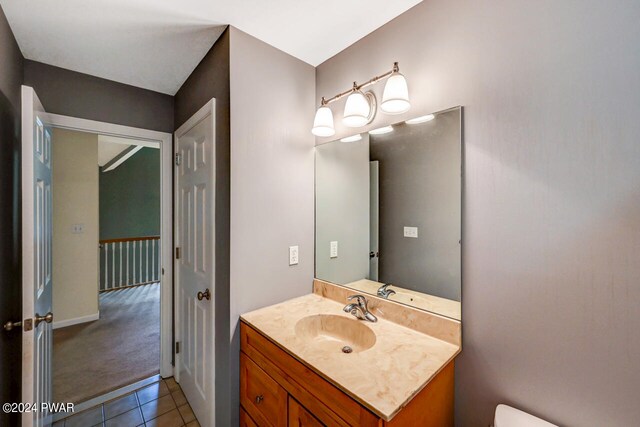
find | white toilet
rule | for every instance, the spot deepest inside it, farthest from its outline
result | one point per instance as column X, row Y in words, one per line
column 506, row 416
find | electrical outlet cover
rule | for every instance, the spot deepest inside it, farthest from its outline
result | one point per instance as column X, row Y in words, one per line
column 333, row 249
column 293, row 255
column 411, row 232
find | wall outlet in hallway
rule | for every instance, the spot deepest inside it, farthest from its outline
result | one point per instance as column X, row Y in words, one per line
column 77, row 228
column 411, row 232
column 293, row 255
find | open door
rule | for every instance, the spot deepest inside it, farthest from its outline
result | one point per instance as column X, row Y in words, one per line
column 374, row 219
column 36, row 261
column 195, row 265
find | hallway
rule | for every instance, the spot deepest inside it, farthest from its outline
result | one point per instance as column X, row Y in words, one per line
column 91, row 359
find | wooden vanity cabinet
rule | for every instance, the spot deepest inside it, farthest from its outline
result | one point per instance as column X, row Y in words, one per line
column 300, row 417
column 277, row 390
column 245, row 419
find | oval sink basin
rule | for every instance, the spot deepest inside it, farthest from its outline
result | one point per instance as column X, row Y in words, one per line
column 335, row 332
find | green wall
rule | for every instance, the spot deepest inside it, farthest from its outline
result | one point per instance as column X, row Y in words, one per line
column 130, row 197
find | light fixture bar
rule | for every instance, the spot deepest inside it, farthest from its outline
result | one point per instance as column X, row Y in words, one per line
column 357, row 87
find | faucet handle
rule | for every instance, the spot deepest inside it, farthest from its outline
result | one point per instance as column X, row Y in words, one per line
column 360, row 309
column 384, row 292
column 360, row 299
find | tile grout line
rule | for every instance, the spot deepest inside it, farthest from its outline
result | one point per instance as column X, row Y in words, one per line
column 176, row 403
column 162, row 381
column 144, row 422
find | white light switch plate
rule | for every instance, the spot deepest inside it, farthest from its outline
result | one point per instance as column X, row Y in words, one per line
column 333, row 249
column 293, row 255
column 77, row 228
column 411, row 232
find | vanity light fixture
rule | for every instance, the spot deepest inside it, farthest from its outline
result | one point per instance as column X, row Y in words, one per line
column 352, row 138
column 381, row 131
column 395, row 98
column 421, row 119
column 323, row 122
column 360, row 108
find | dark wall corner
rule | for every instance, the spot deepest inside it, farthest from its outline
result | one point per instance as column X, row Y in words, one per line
column 11, row 72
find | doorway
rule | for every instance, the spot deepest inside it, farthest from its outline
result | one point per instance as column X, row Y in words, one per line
column 37, row 128
column 106, row 195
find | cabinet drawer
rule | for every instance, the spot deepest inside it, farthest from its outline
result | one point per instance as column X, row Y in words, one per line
column 300, row 417
column 263, row 399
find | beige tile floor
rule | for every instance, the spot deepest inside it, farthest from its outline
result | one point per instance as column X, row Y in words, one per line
column 160, row 404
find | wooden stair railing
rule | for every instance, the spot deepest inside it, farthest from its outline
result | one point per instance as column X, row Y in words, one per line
column 129, row 261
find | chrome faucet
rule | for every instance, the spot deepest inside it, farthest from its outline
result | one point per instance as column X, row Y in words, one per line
column 359, row 309
column 384, row 292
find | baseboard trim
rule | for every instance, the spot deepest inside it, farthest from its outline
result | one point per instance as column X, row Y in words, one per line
column 76, row 320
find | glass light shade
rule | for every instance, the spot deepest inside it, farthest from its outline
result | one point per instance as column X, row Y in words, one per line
column 356, row 110
column 323, row 122
column 395, row 98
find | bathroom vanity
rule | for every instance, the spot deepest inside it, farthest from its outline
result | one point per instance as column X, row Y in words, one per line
column 294, row 371
column 375, row 343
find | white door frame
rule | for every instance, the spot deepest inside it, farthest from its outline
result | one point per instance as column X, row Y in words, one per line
column 166, row 208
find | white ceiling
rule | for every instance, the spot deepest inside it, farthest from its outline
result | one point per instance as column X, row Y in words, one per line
column 110, row 146
column 108, row 151
column 156, row 44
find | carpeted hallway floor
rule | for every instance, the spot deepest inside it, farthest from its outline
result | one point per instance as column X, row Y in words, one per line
column 121, row 348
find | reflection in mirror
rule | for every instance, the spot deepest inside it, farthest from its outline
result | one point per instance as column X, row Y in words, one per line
column 388, row 212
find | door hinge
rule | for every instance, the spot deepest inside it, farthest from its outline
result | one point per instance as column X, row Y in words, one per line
column 178, row 159
column 177, row 347
column 177, row 253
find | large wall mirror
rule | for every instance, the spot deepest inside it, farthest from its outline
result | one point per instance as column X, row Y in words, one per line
column 388, row 212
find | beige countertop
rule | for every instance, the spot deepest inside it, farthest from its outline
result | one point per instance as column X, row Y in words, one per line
column 383, row 378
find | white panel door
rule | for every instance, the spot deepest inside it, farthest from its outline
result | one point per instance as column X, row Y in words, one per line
column 195, row 226
column 36, row 259
column 374, row 219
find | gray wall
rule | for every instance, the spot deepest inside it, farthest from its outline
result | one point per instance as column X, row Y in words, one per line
column 80, row 95
column 552, row 196
column 11, row 64
column 130, row 197
column 209, row 80
column 420, row 186
column 342, row 210
column 272, row 106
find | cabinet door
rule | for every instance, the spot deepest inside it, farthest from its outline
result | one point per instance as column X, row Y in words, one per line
column 300, row 417
column 245, row 419
column 263, row 399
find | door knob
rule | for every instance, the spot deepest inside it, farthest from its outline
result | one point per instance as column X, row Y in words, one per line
column 206, row 294
column 10, row 325
column 46, row 318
